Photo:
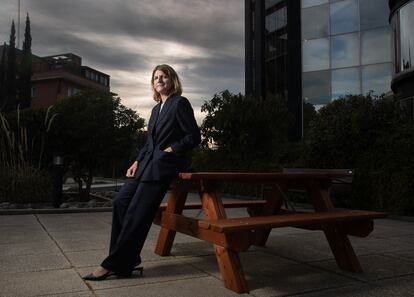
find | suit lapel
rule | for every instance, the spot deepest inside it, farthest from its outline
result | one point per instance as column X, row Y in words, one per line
column 164, row 113
column 153, row 118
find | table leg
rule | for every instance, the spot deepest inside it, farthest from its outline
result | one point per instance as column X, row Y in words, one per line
column 338, row 240
column 175, row 204
column 228, row 260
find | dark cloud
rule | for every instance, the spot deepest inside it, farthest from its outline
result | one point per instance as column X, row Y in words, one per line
column 204, row 40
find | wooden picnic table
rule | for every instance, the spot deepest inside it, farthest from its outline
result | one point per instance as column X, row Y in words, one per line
column 233, row 235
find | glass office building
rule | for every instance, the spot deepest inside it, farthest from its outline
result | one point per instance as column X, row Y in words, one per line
column 402, row 21
column 346, row 49
column 317, row 50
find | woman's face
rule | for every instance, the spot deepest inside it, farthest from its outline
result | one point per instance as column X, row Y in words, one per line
column 162, row 83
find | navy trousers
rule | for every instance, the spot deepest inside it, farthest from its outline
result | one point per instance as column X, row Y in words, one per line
column 134, row 209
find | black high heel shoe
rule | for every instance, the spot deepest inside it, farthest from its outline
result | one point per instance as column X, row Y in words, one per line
column 139, row 269
column 92, row 277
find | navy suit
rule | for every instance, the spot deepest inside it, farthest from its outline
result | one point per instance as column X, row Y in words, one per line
column 138, row 200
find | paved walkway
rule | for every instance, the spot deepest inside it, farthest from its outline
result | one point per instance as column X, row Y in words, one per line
column 46, row 255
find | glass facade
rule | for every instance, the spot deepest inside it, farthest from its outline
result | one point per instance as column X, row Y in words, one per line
column 276, row 47
column 346, row 48
column 403, row 23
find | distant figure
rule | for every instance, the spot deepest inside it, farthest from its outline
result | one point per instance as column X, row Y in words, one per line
column 172, row 132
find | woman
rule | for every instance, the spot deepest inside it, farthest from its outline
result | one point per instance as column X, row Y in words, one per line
column 172, row 132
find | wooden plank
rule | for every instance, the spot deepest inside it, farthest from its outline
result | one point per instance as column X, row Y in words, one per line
column 176, row 202
column 259, row 177
column 338, row 240
column 190, row 226
column 226, row 204
column 227, row 259
column 288, row 220
column 231, row 270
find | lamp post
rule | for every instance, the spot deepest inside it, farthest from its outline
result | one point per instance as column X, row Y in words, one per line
column 57, row 180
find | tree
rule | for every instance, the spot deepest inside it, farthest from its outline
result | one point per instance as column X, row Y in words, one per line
column 246, row 133
column 10, row 92
column 25, row 69
column 2, row 78
column 92, row 130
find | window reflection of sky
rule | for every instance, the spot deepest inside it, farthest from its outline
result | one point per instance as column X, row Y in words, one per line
column 270, row 3
column 407, row 35
column 345, row 82
column 376, row 46
column 315, row 54
column 345, row 50
column 315, row 22
column 374, row 13
column 316, row 87
column 376, row 78
column 276, row 20
column 309, row 3
column 344, row 17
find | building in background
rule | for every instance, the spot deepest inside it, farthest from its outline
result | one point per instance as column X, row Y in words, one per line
column 60, row 76
column 402, row 21
column 317, row 50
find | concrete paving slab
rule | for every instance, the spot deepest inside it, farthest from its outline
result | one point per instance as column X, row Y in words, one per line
column 36, row 262
column 401, row 286
column 375, row 267
column 26, row 284
column 20, row 220
column 31, row 248
column 82, row 244
column 351, row 291
column 381, row 245
column 201, row 286
column 154, row 272
column 293, row 279
column 253, row 263
column 12, row 235
column 74, row 294
column 308, row 246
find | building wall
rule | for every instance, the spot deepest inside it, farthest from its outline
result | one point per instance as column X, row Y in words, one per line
column 346, row 49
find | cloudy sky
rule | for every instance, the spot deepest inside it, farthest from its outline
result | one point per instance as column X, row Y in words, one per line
column 202, row 39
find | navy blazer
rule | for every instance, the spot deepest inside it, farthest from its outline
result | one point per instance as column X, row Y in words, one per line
column 174, row 127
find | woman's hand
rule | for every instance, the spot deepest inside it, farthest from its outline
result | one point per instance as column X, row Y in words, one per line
column 131, row 170
column 168, row 150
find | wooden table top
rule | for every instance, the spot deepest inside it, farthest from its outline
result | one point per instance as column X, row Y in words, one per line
column 260, row 176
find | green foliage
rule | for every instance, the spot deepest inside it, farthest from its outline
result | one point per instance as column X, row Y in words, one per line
column 242, row 133
column 23, row 136
column 369, row 135
column 94, row 131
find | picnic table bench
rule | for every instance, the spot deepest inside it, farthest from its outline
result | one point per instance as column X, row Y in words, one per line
column 233, row 235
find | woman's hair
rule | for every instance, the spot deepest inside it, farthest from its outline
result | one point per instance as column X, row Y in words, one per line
column 176, row 88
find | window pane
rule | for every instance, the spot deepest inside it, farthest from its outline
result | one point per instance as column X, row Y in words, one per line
column 376, row 78
column 373, row 13
column 276, row 20
column 344, row 17
column 270, row 3
column 316, row 87
column 315, row 54
column 407, row 35
column 345, row 50
column 309, row 3
column 315, row 22
column 376, row 46
column 345, row 82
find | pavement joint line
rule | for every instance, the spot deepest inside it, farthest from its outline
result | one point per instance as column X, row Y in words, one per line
column 63, row 253
column 323, row 290
column 61, row 293
column 151, row 282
